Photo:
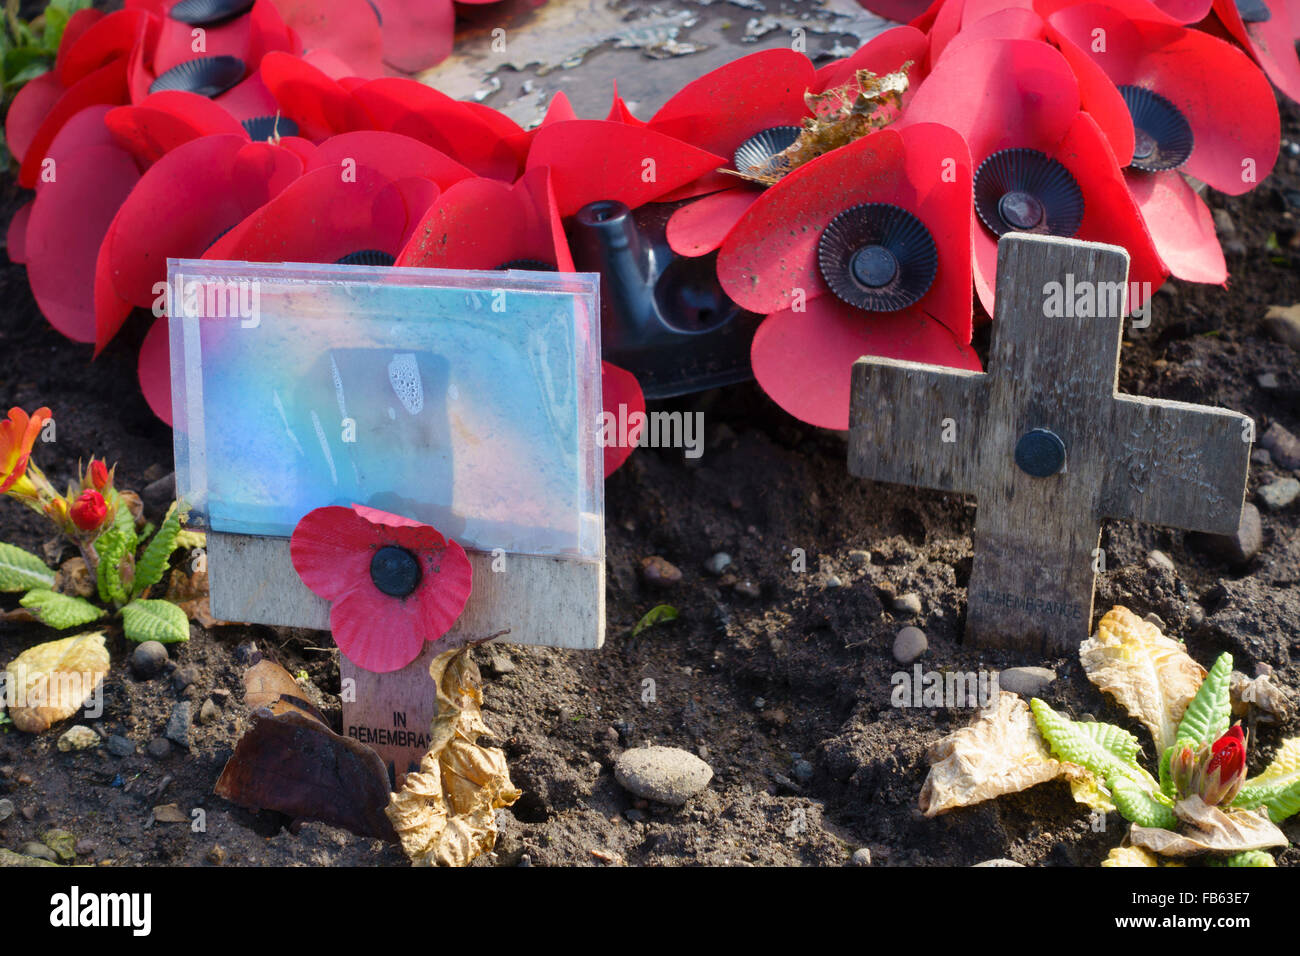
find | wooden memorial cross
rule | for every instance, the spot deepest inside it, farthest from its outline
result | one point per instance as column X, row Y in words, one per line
column 465, row 400
column 1046, row 444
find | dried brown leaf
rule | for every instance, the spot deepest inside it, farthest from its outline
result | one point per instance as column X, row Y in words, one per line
column 839, row 116
column 1269, row 701
column 50, row 682
column 190, row 593
column 1001, row 751
column 444, row 814
column 1210, row 829
column 268, row 685
column 1151, row 676
column 75, row 578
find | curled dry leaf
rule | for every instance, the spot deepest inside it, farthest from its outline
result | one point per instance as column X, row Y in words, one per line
column 50, row 682
column 1130, row 856
column 268, row 685
column 1269, row 701
column 839, row 116
column 444, row 814
column 1151, row 676
column 190, row 593
column 1001, row 751
column 1210, row 829
column 75, row 578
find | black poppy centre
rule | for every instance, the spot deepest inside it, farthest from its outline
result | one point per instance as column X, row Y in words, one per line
column 1024, row 190
column 395, row 571
column 878, row 257
column 758, row 150
column 1162, row 137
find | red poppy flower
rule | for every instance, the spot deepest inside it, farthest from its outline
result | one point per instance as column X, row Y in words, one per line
column 1225, row 133
column 417, row 34
column 863, row 251
column 1041, row 164
column 621, row 397
column 186, row 200
column 759, row 95
column 392, row 583
column 593, row 160
column 1268, row 29
column 349, row 29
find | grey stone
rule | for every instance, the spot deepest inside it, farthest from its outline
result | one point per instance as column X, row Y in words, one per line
column 909, row 644
column 909, row 603
column 718, row 563
column 1026, row 681
column 157, row 496
column 1284, row 325
column 634, row 815
column 802, row 771
column 861, row 857
column 120, row 746
column 178, row 724
column 148, row 659
column 1223, row 223
column 1282, row 445
column 209, row 713
column 833, row 581
column 1261, row 457
column 6, row 809
column 501, row 664
column 183, row 677
column 748, row 589
column 39, row 851
column 158, row 748
column 1160, row 561
column 663, row 774
column 1267, row 381
column 1234, row 248
column 1278, row 494
column 1000, row 861
column 859, row 558
column 1238, row 548
column 77, row 737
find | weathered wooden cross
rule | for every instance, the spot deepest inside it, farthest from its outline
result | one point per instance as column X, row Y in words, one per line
column 465, row 400
column 1046, row 444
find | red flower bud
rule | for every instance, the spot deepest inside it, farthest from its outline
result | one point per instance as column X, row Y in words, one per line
column 98, row 474
column 1225, row 771
column 89, row 511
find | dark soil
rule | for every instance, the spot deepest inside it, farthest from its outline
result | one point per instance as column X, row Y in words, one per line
column 802, row 671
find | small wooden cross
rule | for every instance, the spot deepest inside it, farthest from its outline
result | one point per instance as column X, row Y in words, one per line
column 1046, row 444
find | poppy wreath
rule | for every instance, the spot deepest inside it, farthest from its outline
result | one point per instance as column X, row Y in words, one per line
column 282, row 137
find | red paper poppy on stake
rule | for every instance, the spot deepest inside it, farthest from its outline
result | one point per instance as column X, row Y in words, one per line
column 1269, row 30
column 863, row 251
column 392, row 583
column 1041, row 165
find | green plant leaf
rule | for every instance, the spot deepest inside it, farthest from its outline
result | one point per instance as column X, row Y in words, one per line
column 60, row 611
column 112, row 549
column 1108, row 751
column 1208, row 715
column 21, row 570
column 160, row 621
column 152, row 565
column 1246, row 858
column 1140, row 806
column 1278, row 787
column 656, row 615
column 1166, row 781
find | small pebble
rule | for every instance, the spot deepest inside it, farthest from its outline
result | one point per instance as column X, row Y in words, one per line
column 1284, row 325
column 40, row 851
column 1223, row 223
column 1282, row 446
column 633, row 815
column 1160, row 561
column 148, row 659
column 158, row 748
column 910, row 644
column 1026, row 681
column 861, row 857
column 178, row 724
column 216, row 855
column 209, row 713
column 660, row 572
column 63, row 843
column 86, row 847
column 802, row 771
column 859, row 558
column 909, row 603
column 718, row 563
column 748, row 588
column 79, row 737
column 6, row 809
column 664, row 774
column 1267, row 381
column 1278, row 494
column 501, row 664
column 834, row 582
column 1153, row 618
column 120, row 746
column 1261, row 457
column 183, row 677
column 1001, row 861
